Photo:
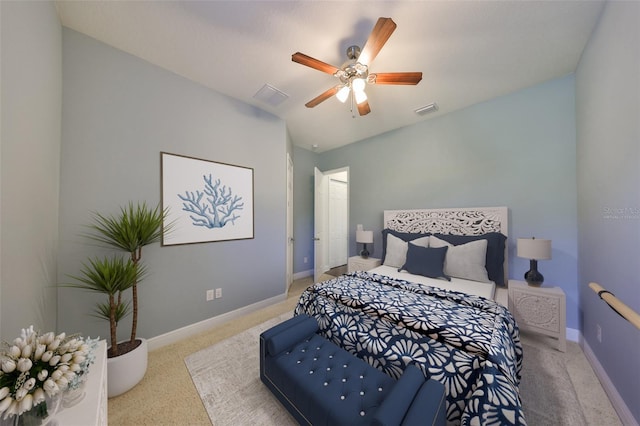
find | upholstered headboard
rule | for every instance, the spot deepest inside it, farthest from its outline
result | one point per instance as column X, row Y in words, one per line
column 454, row 221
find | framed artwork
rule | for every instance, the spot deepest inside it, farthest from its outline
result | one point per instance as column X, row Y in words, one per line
column 205, row 200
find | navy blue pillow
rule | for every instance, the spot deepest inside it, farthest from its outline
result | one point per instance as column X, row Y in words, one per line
column 404, row 236
column 495, row 252
column 426, row 261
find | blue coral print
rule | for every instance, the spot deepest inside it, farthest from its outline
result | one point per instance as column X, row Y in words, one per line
column 217, row 209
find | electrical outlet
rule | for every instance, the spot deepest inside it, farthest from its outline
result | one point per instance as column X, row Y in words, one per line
column 306, row 260
column 209, row 295
column 599, row 333
column 218, row 293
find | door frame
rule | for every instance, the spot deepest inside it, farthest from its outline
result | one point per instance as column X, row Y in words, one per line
column 290, row 237
column 320, row 219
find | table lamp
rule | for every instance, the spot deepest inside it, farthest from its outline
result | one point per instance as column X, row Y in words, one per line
column 364, row 238
column 534, row 249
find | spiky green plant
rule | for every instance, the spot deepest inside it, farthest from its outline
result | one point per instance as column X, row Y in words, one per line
column 110, row 276
column 136, row 226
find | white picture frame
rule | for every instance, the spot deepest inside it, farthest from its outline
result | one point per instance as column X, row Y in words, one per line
column 206, row 201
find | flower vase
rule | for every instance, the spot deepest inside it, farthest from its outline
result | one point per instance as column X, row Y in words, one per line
column 40, row 415
column 73, row 396
column 28, row 419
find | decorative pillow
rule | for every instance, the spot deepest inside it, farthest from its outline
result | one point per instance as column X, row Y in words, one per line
column 495, row 252
column 425, row 261
column 396, row 254
column 404, row 236
column 465, row 260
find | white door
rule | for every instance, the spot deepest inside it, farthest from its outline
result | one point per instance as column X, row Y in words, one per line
column 322, row 231
column 320, row 220
column 289, row 221
column 338, row 222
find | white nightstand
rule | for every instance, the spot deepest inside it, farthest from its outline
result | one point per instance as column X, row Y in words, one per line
column 359, row 263
column 539, row 309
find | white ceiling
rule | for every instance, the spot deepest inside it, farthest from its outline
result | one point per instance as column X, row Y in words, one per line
column 468, row 51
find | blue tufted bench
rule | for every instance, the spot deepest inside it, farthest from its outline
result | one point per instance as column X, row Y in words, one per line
column 320, row 383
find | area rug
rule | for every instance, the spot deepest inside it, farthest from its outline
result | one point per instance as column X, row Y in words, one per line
column 227, row 377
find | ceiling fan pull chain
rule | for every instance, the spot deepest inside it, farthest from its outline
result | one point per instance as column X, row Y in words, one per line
column 353, row 114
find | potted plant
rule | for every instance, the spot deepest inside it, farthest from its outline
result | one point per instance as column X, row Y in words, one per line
column 109, row 276
column 136, row 226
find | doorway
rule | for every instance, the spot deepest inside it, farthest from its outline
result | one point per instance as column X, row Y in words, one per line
column 338, row 219
column 331, row 220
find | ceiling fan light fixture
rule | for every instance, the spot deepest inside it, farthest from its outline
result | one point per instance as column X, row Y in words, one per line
column 358, row 85
column 360, row 96
column 343, row 94
column 354, row 73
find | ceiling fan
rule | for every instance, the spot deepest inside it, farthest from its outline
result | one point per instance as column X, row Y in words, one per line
column 354, row 74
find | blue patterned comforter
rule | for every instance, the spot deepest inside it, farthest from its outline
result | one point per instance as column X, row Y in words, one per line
column 468, row 343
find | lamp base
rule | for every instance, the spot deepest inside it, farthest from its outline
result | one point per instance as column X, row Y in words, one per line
column 364, row 253
column 532, row 276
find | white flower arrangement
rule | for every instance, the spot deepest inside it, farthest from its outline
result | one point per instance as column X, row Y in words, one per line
column 81, row 375
column 36, row 366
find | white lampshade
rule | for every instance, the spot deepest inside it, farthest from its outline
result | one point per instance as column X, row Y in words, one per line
column 360, row 96
column 365, row 237
column 342, row 94
column 534, row 248
column 358, row 84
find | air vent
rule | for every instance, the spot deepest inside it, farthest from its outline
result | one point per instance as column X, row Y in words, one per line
column 270, row 95
column 427, row 109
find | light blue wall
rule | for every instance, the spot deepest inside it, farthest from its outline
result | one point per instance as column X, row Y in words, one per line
column 608, row 133
column 516, row 151
column 30, row 152
column 119, row 113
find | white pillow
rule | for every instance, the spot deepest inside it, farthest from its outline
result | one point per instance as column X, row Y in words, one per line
column 396, row 254
column 465, row 260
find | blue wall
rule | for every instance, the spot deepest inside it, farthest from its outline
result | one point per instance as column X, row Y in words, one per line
column 119, row 112
column 608, row 132
column 516, row 151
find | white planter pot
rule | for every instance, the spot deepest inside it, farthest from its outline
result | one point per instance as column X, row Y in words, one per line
column 126, row 371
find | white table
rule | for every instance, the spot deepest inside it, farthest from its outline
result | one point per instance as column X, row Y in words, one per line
column 92, row 409
column 539, row 309
column 359, row 263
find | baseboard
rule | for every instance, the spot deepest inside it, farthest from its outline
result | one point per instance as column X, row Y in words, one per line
column 303, row 274
column 199, row 327
column 618, row 403
column 573, row 335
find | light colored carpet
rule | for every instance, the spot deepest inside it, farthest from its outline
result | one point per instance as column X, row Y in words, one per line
column 547, row 393
column 232, row 393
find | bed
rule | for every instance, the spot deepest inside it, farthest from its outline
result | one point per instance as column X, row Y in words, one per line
column 435, row 310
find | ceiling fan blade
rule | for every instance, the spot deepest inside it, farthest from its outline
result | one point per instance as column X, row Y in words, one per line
column 303, row 59
column 379, row 36
column 322, row 97
column 411, row 78
column 363, row 108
